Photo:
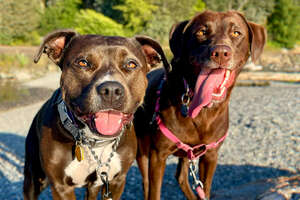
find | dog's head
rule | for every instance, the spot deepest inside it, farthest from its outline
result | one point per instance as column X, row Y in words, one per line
column 103, row 78
column 210, row 51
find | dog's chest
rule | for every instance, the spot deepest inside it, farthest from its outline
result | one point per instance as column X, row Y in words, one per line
column 80, row 170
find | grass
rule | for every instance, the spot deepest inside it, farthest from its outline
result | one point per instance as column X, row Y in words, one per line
column 10, row 61
column 13, row 63
column 272, row 47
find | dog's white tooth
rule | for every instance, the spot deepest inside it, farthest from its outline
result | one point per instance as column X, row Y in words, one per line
column 219, row 94
column 226, row 78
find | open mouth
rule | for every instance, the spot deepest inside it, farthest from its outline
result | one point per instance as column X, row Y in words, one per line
column 211, row 86
column 107, row 122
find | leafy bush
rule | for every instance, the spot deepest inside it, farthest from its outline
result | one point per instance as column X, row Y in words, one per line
column 107, row 8
column 18, row 20
column 136, row 14
column 68, row 14
column 169, row 12
column 60, row 15
column 283, row 23
column 88, row 21
column 254, row 10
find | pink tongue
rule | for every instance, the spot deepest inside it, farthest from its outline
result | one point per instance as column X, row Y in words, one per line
column 108, row 123
column 207, row 82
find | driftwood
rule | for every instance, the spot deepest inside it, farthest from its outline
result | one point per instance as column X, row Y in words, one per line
column 270, row 76
column 283, row 188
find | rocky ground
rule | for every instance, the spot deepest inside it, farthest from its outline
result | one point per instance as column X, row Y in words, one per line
column 263, row 144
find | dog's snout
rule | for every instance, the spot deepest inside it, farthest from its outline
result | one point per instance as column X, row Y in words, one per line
column 111, row 92
column 221, row 54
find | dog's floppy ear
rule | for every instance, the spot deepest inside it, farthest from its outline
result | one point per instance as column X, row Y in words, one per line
column 258, row 40
column 153, row 52
column 54, row 44
column 258, row 37
column 176, row 38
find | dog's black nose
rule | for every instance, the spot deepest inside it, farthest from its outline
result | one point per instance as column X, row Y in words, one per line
column 111, row 92
column 221, row 54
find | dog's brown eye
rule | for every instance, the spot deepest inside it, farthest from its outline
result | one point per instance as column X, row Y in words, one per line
column 131, row 64
column 236, row 34
column 83, row 63
column 201, row 33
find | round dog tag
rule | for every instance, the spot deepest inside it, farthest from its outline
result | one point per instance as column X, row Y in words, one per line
column 79, row 153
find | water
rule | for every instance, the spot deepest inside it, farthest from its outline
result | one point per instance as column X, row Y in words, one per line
column 13, row 94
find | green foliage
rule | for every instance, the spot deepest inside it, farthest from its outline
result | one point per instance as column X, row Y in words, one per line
column 198, row 7
column 60, row 15
column 136, row 14
column 107, row 8
column 23, row 21
column 18, row 19
column 283, row 23
column 88, row 21
column 67, row 14
column 255, row 10
column 168, row 13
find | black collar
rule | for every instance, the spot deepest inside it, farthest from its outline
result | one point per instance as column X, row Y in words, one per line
column 67, row 122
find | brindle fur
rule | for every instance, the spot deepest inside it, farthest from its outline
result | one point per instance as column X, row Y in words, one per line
column 49, row 146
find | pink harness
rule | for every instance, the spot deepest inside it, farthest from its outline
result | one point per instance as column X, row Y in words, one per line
column 185, row 147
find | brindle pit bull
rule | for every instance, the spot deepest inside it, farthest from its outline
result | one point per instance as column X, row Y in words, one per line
column 83, row 135
column 209, row 53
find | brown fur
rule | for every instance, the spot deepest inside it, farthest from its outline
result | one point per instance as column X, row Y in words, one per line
column 211, row 123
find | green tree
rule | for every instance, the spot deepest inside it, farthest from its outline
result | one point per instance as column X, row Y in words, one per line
column 197, row 7
column 88, row 21
column 18, row 20
column 107, row 8
column 60, row 15
column 168, row 13
column 136, row 14
column 283, row 23
column 255, row 10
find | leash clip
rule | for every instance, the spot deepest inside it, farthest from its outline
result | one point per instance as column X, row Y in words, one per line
column 193, row 170
column 185, row 99
column 104, row 179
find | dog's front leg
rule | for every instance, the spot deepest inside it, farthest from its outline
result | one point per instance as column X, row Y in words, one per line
column 143, row 162
column 157, row 169
column 62, row 192
column 182, row 176
column 92, row 192
column 207, row 167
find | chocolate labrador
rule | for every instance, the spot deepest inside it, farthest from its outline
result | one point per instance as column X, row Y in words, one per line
column 83, row 135
column 185, row 112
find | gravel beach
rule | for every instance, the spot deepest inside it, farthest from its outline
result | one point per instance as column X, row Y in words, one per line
column 263, row 142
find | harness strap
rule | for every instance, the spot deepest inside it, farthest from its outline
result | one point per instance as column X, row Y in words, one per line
column 185, row 147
